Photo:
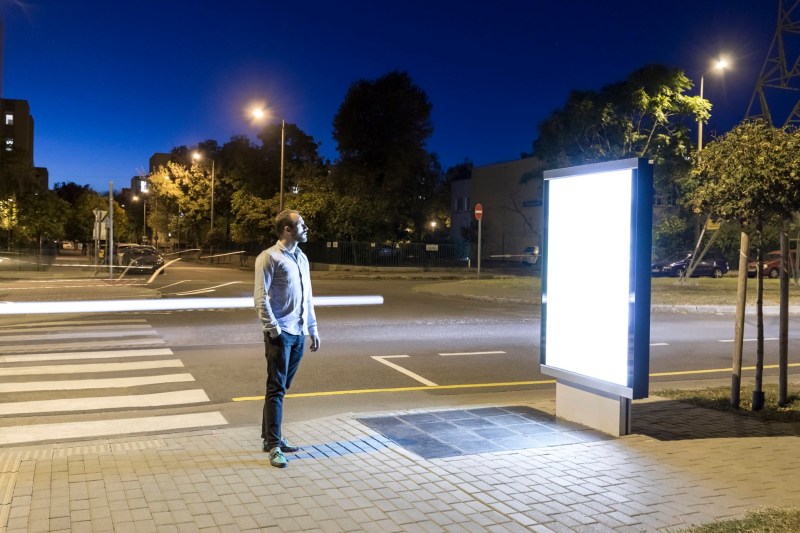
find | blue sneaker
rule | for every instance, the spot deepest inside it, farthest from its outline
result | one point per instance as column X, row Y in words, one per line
column 277, row 459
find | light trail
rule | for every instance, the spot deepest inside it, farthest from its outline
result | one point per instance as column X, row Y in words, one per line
column 164, row 304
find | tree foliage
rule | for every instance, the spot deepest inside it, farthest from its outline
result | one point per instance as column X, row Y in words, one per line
column 647, row 115
column 42, row 215
column 751, row 172
column 381, row 130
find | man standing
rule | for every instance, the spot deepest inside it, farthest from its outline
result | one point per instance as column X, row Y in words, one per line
column 283, row 302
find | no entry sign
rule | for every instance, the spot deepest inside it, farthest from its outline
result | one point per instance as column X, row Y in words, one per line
column 478, row 211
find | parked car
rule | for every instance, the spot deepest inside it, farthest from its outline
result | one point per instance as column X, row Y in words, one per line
column 771, row 265
column 119, row 250
column 713, row 264
column 386, row 254
column 142, row 259
column 530, row 255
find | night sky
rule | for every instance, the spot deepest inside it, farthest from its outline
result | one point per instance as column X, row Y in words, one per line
column 111, row 82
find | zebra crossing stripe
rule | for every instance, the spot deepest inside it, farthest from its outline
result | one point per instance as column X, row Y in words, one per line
column 66, row 346
column 110, row 354
column 77, row 323
column 35, row 329
column 102, row 403
column 77, row 335
column 89, row 368
column 83, row 384
column 107, row 428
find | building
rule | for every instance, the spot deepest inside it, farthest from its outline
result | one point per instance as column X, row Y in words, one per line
column 158, row 160
column 16, row 145
column 512, row 210
column 16, row 129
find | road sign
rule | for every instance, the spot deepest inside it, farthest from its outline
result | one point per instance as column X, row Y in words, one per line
column 478, row 211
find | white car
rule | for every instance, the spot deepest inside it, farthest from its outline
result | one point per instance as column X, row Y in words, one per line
column 530, row 255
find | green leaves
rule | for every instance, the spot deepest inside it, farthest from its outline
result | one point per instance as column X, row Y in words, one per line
column 749, row 173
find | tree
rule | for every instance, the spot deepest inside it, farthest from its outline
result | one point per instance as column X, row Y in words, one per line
column 9, row 216
column 78, row 226
column 180, row 190
column 646, row 115
column 749, row 176
column 42, row 215
column 381, row 130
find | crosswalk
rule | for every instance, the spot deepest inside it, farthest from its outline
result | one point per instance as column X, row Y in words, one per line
column 93, row 378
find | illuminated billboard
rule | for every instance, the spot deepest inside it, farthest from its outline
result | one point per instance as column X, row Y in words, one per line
column 596, row 276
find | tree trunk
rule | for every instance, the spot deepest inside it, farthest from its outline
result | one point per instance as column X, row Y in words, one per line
column 783, row 334
column 741, row 298
column 758, row 389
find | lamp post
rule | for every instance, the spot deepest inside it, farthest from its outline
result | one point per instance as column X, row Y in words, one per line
column 197, row 156
column 259, row 114
column 720, row 65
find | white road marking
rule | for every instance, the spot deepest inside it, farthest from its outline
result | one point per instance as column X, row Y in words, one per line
column 75, row 323
column 748, row 340
column 105, row 428
column 70, row 327
column 65, row 405
column 659, row 344
column 98, row 344
column 83, row 384
column 471, row 353
column 78, row 335
column 89, row 368
column 112, row 354
column 382, row 359
column 173, row 284
column 207, row 289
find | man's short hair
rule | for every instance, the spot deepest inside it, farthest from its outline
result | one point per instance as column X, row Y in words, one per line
column 284, row 219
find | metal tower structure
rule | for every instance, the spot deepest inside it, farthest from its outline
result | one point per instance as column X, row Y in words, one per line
column 779, row 75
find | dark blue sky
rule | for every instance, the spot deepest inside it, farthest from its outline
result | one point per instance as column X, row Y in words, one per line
column 111, row 82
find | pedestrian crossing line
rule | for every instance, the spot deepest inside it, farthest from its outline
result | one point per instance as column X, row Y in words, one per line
column 89, row 344
column 89, row 368
column 83, row 384
column 71, row 327
column 110, row 354
column 76, row 322
column 70, row 405
column 77, row 335
column 108, row 428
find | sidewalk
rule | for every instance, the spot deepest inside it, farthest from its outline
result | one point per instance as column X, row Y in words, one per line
column 504, row 464
column 684, row 465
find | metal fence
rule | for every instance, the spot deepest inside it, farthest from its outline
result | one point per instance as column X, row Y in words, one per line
column 397, row 254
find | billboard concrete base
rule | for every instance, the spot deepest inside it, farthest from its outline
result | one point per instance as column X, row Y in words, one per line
column 600, row 410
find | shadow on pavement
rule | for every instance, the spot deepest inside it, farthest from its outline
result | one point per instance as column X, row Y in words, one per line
column 673, row 420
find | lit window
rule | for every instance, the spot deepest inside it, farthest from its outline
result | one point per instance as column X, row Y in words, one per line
column 9, row 144
column 9, row 119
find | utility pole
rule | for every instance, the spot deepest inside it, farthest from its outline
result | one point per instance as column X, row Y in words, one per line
column 780, row 74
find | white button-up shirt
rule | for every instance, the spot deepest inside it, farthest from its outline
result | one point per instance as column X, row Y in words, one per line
column 282, row 291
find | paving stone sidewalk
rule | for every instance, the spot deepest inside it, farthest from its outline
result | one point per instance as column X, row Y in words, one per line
column 349, row 478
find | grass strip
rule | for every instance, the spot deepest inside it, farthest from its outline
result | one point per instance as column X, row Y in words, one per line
column 719, row 398
column 769, row 520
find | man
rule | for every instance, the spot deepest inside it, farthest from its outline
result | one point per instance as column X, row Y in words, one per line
column 283, row 302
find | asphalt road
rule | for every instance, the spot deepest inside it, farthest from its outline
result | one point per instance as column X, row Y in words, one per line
column 417, row 349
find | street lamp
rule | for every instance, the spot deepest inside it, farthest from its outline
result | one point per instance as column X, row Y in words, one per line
column 719, row 65
column 259, row 114
column 198, row 156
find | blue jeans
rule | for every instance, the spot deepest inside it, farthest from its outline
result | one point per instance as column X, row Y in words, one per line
column 283, row 354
